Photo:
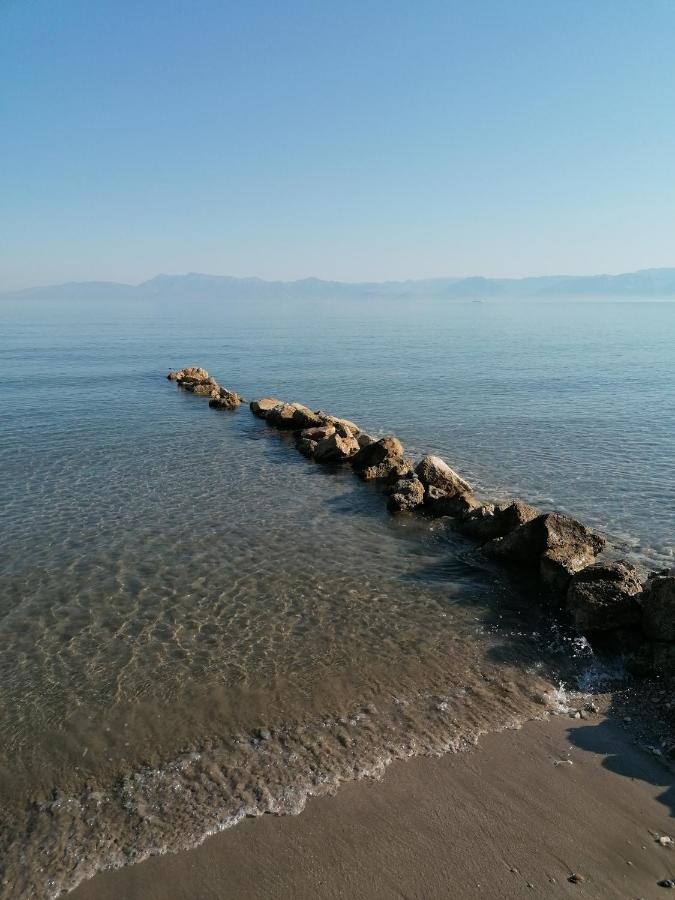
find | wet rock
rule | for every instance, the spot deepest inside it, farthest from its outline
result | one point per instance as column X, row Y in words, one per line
column 554, row 543
column 439, row 503
column 364, row 439
column 603, row 597
column 307, row 446
column 407, row 494
column 282, row 416
column 263, row 407
column 381, row 460
column 327, row 419
column 389, row 471
column 658, row 607
column 203, row 389
column 317, row 434
column 435, row 472
column 305, row 418
column 489, row 521
column 337, row 447
column 224, row 399
column 188, row 372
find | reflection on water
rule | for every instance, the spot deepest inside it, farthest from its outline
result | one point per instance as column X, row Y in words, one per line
column 197, row 622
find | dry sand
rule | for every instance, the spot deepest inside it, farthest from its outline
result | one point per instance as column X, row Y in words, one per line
column 511, row 818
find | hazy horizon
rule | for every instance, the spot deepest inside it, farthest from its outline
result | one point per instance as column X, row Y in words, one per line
column 359, row 143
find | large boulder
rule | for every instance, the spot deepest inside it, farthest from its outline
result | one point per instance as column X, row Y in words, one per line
column 604, row 597
column 282, row 416
column 203, row 388
column 432, row 471
column 191, row 374
column 489, row 521
column 337, row 447
column 317, row 433
column 554, row 543
column 658, row 607
column 407, row 494
column 381, row 460
column 263, row 407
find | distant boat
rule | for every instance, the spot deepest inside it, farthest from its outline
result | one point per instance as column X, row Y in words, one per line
column 476, row 301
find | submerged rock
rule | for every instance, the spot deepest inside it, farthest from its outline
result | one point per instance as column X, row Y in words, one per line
column 658, row 607
column 603, row 597
column 407, row 494
column 486, row 522
column 435, row 472
column 554, row 543
column 263, row 407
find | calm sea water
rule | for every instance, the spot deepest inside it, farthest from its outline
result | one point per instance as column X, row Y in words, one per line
column 198, row 624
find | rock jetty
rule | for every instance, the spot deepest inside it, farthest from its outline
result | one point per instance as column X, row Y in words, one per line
column 600, row 598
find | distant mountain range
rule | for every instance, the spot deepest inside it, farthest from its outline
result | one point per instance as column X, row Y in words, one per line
column 646, row 283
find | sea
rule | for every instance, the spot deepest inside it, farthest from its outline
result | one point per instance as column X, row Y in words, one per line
column 198, row 624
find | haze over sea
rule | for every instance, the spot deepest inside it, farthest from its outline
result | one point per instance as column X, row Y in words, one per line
column 197, row 622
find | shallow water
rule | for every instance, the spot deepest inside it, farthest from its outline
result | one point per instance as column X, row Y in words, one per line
column 197, row 623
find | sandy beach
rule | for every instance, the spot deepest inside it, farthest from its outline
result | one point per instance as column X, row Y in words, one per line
column 516, row 816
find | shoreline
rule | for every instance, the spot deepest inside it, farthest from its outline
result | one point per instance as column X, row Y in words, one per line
column 512, row 816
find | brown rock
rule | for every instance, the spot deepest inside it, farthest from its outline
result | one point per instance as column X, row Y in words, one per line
column 556, row 544
column 337, row 447
column 327, row 419
column 377, row 459
column 658, row 607
column 263, row 407
column 489, row 521
column 364, row 439
column 439, row 503
column 307, row 446
column 224, row 399
column 434, row 472
column 408, row 494
column 303, row 417
column 317, row 434
column 603, row 597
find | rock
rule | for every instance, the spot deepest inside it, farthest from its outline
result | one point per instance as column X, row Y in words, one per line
column 364, row 439
column 303, row 417
column 378, row 459
column 575, row 878
column 173, row 376
column 282, row 416
column 389, row 470
column 434, row 472
column 603, row 597
column 554, row 543
column 318, row 433
column 327, row 419
column 203, row 389
column 224, row 399
column 658, row 607
column 337, row 447
column 439, row 503
column 407, row 494
column 307, row 446
column 262, row 408
column 486, row 522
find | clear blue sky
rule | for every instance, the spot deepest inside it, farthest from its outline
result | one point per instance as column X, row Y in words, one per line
column 360, row 139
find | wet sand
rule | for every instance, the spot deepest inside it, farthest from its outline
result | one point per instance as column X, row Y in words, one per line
column 510, row 818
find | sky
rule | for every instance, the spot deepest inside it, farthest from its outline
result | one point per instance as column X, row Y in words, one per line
column 355, row 140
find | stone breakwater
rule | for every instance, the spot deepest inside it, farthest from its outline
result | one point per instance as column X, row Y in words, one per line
column 606, row 601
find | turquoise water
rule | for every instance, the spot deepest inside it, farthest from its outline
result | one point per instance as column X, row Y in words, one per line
column 176, row 581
